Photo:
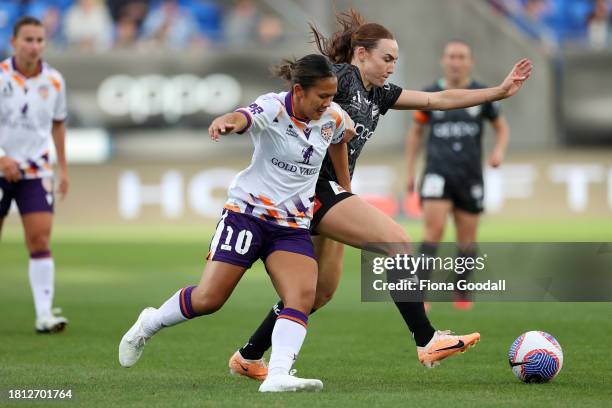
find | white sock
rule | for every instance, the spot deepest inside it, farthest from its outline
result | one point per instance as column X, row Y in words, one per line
column 42, row 274
column 168, row 314
column 287, row 339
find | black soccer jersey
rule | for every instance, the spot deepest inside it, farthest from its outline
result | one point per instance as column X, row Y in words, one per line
column 454, row 146
column 364, row 107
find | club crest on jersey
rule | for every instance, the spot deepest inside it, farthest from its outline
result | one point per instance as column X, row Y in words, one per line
column 327, row 131
column 474, row 111
column 307, row 154
column 43, row 91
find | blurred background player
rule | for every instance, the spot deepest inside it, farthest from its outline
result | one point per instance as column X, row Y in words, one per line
column 365, row 55
column 32, row 110
column 267, row 216
column 452, row 181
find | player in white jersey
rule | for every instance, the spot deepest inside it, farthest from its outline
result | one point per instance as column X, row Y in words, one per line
column 32, row 112
column 266, row 216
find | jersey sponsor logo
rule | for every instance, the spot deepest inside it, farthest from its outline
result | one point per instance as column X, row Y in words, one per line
column 455, row 129
column 362, row 132
column 327, row 131
column 292, row 168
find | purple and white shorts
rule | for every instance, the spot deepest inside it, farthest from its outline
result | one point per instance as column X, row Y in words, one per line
column 241, row 239
column 31, row 195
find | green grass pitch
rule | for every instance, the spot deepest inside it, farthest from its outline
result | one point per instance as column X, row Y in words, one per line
column 361, row 351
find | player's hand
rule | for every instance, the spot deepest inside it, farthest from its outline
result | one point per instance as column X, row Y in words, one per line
column 64, row 183
column 496, row 158
column 410, row 182
column 10, row 169
column 516, row 78
column 221, row 126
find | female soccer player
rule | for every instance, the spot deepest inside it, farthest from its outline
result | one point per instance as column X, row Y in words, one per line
column 365, row 55
column 32, row 110
column 452, row 178
column 267, row 216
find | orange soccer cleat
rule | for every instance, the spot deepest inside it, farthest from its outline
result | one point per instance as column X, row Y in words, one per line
column 444, row 344
column 255, row 369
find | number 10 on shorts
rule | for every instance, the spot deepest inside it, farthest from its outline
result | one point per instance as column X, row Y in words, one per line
column 243, row 241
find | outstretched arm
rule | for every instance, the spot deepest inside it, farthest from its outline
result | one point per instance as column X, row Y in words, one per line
column 463, row 98
column 229, row 123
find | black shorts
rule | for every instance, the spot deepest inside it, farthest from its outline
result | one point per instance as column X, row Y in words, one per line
column 327, row 194
column 465, row 193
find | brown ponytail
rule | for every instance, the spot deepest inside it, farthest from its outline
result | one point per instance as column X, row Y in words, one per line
column 353, row 32
column 306, row 71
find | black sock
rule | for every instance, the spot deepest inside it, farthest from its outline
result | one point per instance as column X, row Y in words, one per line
column 261, row 340
column 413, row 313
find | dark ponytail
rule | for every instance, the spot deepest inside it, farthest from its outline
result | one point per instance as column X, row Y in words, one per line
column 353, row 32
column 306, row 71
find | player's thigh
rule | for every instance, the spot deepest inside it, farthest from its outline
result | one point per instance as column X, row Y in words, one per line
column 466, row 224
column 435, row 213
column 358, row 223
column 330, row 256
column 37, row 228
column 294, row 277
column 216, row 285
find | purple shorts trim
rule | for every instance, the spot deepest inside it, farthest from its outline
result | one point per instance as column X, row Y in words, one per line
column 35, row 195
column 241, row 239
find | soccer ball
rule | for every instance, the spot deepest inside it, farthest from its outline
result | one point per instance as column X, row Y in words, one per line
column 535, row 356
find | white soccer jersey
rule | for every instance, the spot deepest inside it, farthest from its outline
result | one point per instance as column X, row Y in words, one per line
column 279, row 185
column 28, row 107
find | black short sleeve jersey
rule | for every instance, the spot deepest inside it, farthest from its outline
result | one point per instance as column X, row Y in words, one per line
column 364, row 107
column 455, row 136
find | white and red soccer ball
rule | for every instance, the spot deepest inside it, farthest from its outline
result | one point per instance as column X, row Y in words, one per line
column 535, row 356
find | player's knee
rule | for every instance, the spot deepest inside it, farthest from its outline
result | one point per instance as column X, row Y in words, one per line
column 303, row 299
column 38, row 243
column 205, row 303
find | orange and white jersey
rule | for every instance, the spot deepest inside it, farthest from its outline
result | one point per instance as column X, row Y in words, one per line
column 279, row 185
column 28, row 108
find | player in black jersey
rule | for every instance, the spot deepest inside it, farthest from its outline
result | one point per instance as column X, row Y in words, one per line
column 365, row 55
column 452, row 181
